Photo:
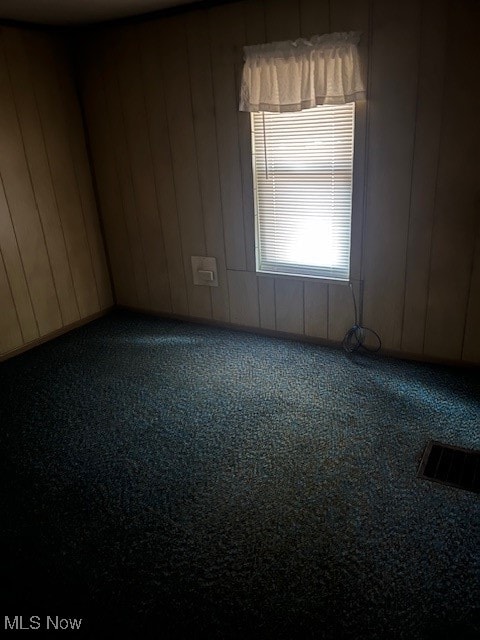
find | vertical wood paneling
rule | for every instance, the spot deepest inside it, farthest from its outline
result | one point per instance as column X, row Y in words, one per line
column 46, row 276
column 175, row 68
column 316, row 309
column 32, row 134
column 83, row 175
column 227, row 34
column 13, row 265
column 456, row 202
column 393, row 88
column 254, row 18
column 24, row 212
column 289, row 306
column 207, row 156
column 162, row 164
column 243, row 296
column 282, row 20
column 108, row 64
column 341, row 310
column 266, row 301
column 49, row 99
column 10, row 333
column 108, row 183
column 314, row 17
column 424, row 173
column 141, row 169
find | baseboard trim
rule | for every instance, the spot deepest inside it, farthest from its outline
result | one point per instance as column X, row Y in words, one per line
column 272, row 333
column 399, row 355
column 54, row 334
column 416, row 357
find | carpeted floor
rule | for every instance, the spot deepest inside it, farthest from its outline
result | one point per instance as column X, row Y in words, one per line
column 182, row 481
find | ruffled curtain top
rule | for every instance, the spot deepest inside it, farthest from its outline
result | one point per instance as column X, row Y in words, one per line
column 301, row 74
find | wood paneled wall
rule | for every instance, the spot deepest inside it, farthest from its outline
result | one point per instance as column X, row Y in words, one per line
column 172, row 163
column 53, row 271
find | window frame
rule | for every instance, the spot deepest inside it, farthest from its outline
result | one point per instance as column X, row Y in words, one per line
column 301, row 270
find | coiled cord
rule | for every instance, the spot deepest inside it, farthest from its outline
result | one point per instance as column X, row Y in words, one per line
column 354, row 339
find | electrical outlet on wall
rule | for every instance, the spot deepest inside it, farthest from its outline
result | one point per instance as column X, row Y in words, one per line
column 204, row 271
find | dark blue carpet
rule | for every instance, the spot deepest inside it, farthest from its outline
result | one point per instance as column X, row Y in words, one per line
column 182, row 481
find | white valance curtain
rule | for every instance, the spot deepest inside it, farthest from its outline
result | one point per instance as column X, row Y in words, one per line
column 300, row 74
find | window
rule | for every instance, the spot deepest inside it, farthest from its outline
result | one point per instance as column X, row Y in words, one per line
column 302, row 163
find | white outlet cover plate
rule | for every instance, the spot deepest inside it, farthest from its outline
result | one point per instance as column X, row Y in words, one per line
column 201, row 263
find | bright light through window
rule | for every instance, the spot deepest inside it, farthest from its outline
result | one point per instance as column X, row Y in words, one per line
column 302, row 165
column 311, row 244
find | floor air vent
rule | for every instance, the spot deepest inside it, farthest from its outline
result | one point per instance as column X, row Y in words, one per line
column 454, row 466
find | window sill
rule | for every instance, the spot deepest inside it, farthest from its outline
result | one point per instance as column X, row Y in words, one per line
column 298, row 276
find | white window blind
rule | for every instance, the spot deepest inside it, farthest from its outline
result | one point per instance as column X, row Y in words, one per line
column 302, row 164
